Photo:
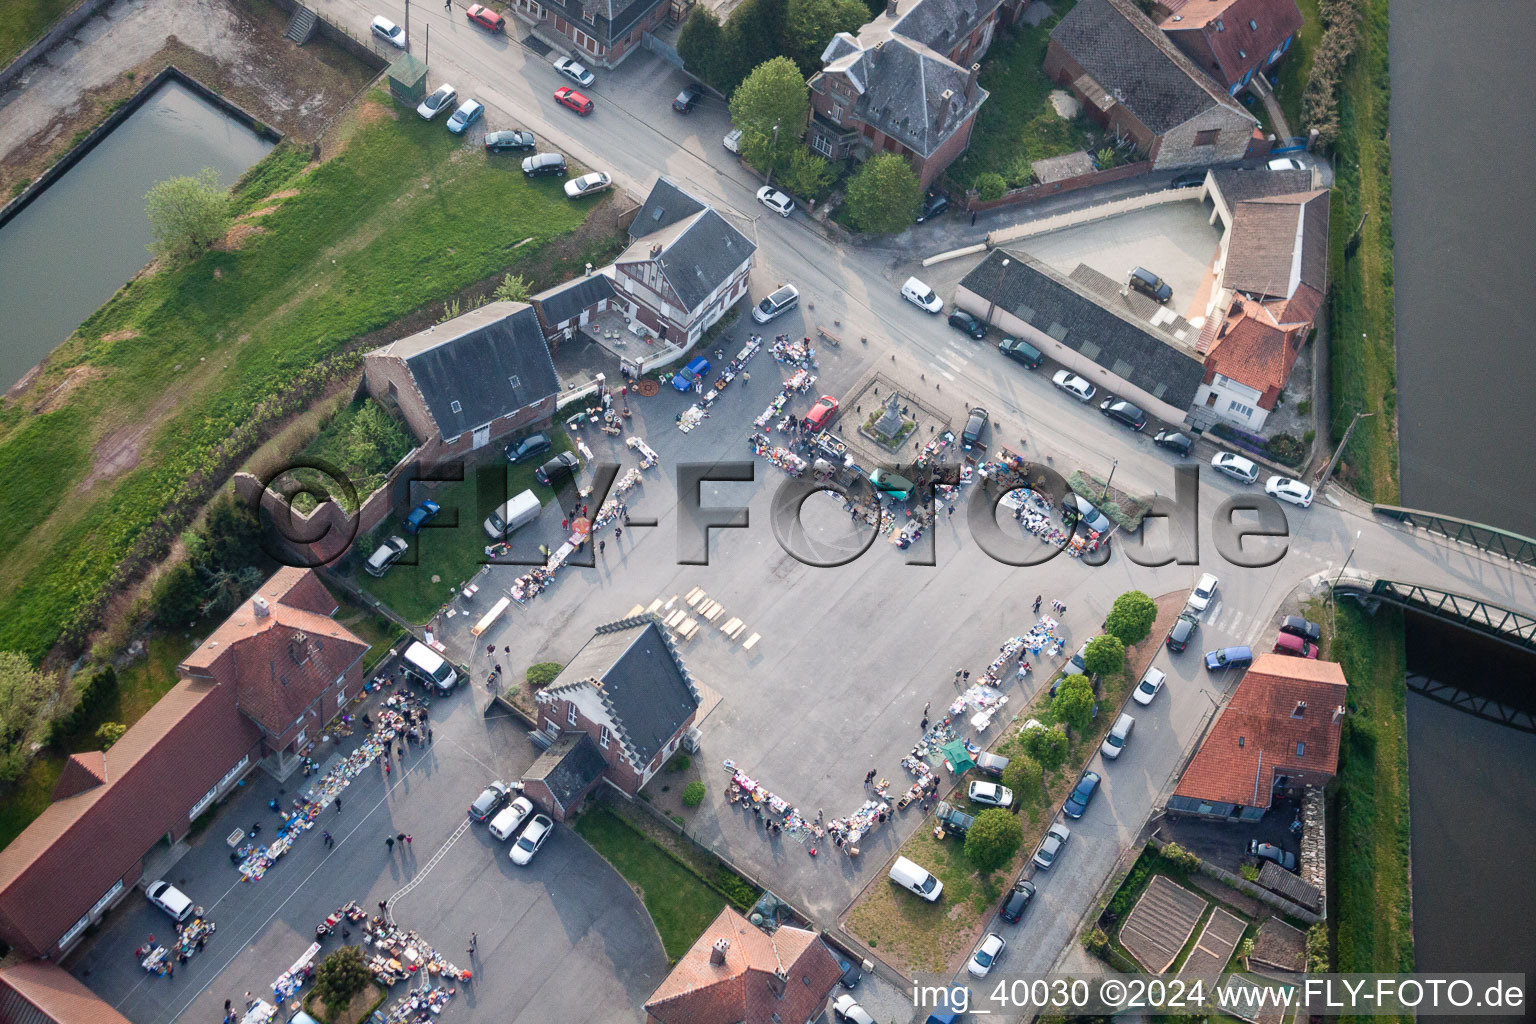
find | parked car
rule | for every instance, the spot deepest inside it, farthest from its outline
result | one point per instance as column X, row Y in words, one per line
column 528, row 447
column 1229, row 657
column 1180, row 444
column 504, row 141
column 1205, row 589
column 385, row 555
column 486, row 18
column 1269, row 851
column 684, row 379
column 587, row 185
column 510, row 818
column 776, row 201
column 732, row 141
column 953, row 818
column 574, row 71
column 1077, row 665
column 1050, row 847
column 388, row 31
column 847, row 1008
column 491, row 798
column 541, row 164
column 990, row 763
column 1082, row 795
column 568, row 97
column 468, row 113
column 1235, row 466
column 1124, row 412
column 437, row 102
column 1150, row 285
column 1286, row 163
column 851, row 973
column 1286, row 489
column 1021, row 352
column 421, row 515
column 990, row 793
column 1074, row 385
column 532, row 839
column 1304, row 628
column 1289, row 643
column 556, row 469
column 916, row 879
column 1183, row 628
column 1017, row 901
column 169, row 899
column 933, row 206
column 776, row 304
column 894, row 484
column 1119, row 735
column 1086, row 512
column 1149, row 686
column 986, row 955
column 688, row 98
column 975, row 424
column 821, row 413
column 966, row 323
column 1188, row 179
column 920, row 295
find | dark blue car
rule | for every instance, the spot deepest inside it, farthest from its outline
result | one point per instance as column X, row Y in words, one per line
column 684, row 378
column 421, row 514
column 1077, row 803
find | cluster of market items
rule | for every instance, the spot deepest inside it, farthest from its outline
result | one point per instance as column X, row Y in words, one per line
column 693, row 378
column 779, row 817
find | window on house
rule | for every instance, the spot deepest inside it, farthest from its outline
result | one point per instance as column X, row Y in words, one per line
column 455, row 406
column 394, row 392
column 570, row 712
column 1207, row 137
column 820, row 144
column 1301, row 748
column 1242, row 410
column 604, row 738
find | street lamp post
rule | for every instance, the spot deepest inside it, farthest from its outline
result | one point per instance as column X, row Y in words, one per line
column 1112, row 469
column 773, row 157
column 1333, row 603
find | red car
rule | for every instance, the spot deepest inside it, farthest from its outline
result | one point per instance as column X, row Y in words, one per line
column 486, row 18
column 568, row 97
column 821, row 413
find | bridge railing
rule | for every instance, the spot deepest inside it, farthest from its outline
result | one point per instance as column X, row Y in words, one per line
column 1510, row 627
column 1516, row 547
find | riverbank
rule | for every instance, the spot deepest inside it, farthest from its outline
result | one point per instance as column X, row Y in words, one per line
column 1362, row 335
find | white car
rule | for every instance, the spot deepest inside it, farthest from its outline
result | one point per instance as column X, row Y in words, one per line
column 986, row 955
column 1050, row 847
column 1074, row 385
column 385, row 555
column 990, row 793
column 388, row 31
column 169, row 899
column 1286, row 489
column 920, row 295
column 1286, row 163
column 532, row 838
column 845, row 1007
column 587, row 184
column 1205, row 589
column 1235, row 466
column 1149, row 686
column 776, row 201
column 437, row 102
column 574, row 71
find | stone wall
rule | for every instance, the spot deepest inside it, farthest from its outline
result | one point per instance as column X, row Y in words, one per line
column 1314, row 843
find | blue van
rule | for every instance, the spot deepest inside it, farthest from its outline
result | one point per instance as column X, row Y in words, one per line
column 1229, row 657
column 684, row 379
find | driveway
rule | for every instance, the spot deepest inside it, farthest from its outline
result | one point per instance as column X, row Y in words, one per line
column 567, row 924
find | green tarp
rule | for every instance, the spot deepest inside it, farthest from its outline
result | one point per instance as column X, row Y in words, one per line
column 958, row 757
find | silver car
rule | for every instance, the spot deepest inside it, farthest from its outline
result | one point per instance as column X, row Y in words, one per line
column 437, row 102
column 385, row 555
column 1050, row 847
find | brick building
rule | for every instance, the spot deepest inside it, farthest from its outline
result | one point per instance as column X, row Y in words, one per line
column 39, row 992
column 603, row 32
column 463, row 384
column 1232, row 40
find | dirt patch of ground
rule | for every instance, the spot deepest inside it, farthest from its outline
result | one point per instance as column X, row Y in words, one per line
column 118, row 450
column 236, row 236
column 58, row 395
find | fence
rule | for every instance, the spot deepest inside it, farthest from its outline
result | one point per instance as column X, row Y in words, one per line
column 1035, row 193
column 1087, row 215
column 1242, row 885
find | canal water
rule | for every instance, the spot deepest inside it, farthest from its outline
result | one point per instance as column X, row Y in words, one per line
column 1464, row 224
column 78, row 242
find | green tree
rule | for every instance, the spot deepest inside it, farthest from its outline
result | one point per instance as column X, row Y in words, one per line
column 187, row 214
column 993, row 838
column 701, row 44
column 805, row 175
column 693, row 794
column 514, row 287
column 774, row 94
column 1073, row 703
column 108, row 733
column 1105, row 655
column 225, row 587
column 24, row 693
column 542, row 673
column 341, row 976
column 1131, row 617
column 753, row 35
column 884, row 196
column 1047, row 746
column 809, row 26
column 990, row 186
column 1025, row 777
column 177, row 598
column 233, row 534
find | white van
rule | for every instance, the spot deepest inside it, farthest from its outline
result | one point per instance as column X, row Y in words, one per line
column 1119, row 733
column 430, row 667
column 520, row 511
column 919, row 294
column 916, row 879
column 169, row 899
column 510, row 818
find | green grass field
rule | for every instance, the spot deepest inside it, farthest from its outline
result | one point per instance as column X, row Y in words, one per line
column 171, row 383
column 1297, row 65
column 23, row 21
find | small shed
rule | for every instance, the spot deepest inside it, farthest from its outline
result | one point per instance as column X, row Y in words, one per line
column 408, row 80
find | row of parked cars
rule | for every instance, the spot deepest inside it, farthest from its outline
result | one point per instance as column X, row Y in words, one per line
column 507, row 815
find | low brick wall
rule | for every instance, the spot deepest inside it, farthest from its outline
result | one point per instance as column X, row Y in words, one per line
column 1035, row 193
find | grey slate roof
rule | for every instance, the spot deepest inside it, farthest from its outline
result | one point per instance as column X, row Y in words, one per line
column 641, row 680
column 480, row 366
column 1276, row 879
column 604, row 20
column 570, row 765
column 566, row 301
column 1278, row 243
column 697, row 254
column 1126, row 54
column 1236, row 185
column 666, row 205
column 1130, row 335
column 902, row 92
column 940, row 24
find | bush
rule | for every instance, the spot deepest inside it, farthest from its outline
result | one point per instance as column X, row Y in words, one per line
column 693, row 794
column 1131, row 617
column 680, row 763
column 1249, row 872
column 1285, row 448
column 513, row 288
column 108, row 733
column 90, row 697
column 1073, row 703
column 1319, row 957
column 806, row 175
column 1105, row 655
column 541, row 674
column 739, row 893
column 1181, row 858
column 1304, row 407
column 1025, row 777
column 24, row 693
column 341, row 976
column 990, row 186
column 884, row 196
column 993, row 838
column 1047, row 746
column 1096, row 942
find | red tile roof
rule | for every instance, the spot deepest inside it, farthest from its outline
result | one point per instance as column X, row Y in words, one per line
column 1278, row 244
column 1237, row 46
column 1252, row 348
column 745, row 989
column 55, row 993
column 1256, row 737
column 81, row 772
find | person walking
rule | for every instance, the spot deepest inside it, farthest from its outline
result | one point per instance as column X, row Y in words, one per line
column 565, row 524
column 924, row 726
column 338, row 805
column 474, row 941
column 407, row 839
column 386, row 766
column 618, row 532
column 325, row 837
column 389, row 843
column 1037, row 603
column 429, row 734
column 746, row 375
column 447, row 5
column 401, row 837
column 602, row 546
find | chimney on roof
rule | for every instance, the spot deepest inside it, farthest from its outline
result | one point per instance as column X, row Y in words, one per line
column 874, row 55
column 946, row 100
column 260, row 606
column 1301, row 709
column 718, row 950
column 776, row 982
column 890, row 8
column 655, row 249
column 970, row 81
column 1338, row 713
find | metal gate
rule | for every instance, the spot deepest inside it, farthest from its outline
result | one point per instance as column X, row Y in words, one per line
column 665, row 50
